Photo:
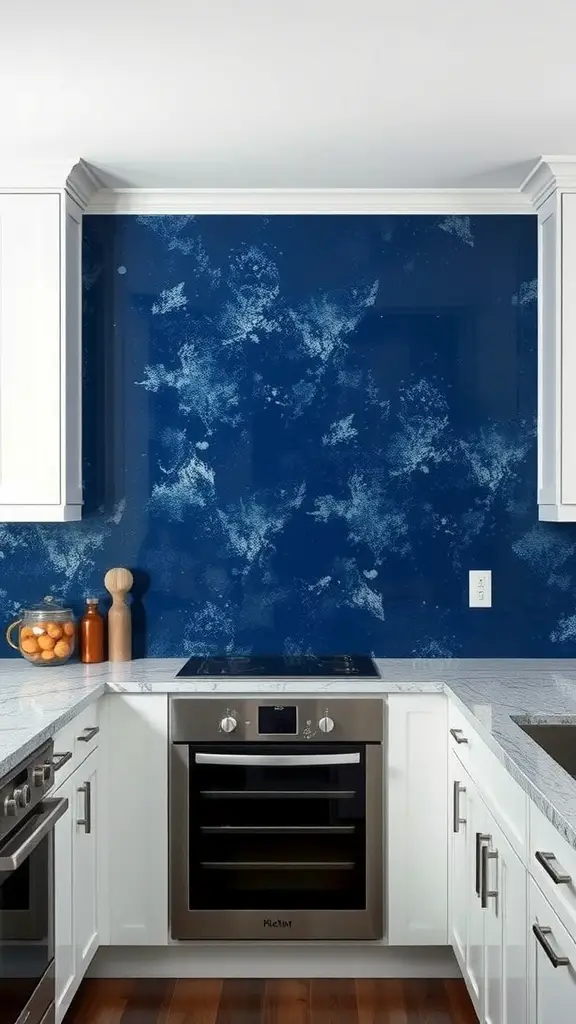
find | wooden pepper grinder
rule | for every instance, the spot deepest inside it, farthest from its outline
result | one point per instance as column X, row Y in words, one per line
column 118, row 582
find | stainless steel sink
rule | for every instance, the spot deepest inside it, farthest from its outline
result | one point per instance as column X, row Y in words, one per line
column 559, row 741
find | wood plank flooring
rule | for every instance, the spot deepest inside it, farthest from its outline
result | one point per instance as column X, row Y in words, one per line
column 278, row 1001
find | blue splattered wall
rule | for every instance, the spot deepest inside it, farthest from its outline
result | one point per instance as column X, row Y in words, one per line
column 302, row 432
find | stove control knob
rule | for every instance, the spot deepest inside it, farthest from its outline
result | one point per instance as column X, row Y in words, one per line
column 22, row 795
column 326, row 724
column 11, row 808
column 42, row 774
column 228, row 724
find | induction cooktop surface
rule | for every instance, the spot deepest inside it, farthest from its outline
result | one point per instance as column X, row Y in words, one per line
column 275, row 665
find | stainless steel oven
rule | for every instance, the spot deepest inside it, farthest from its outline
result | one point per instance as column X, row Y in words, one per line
column 276, row 824
column 27, row 820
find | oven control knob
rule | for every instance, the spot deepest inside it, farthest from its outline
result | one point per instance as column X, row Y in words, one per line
column 228, row 724
column 22, row 795
column 326, row 724
column 11, row 806
column 42, row 774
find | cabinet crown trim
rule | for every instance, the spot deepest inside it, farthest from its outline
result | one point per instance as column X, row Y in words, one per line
column 548, row 174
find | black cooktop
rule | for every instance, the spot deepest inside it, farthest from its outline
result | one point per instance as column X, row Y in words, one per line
column 330, row 666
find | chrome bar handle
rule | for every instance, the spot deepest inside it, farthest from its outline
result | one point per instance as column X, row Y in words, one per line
column 486, row 894
column 558, row 877
column 17, row 850
column 86, row 821
column 277, row 760
column 458, row 735
column 481, row 838
column 62, row 760
column 541, row 932
column 89, row 733
column 457, row 820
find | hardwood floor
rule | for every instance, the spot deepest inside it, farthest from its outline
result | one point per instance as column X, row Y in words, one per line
column 282, row 1001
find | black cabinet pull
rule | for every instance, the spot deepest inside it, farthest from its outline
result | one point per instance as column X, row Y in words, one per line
column 486, row 894
column 458, row 736
column 541, row 932
column 481, row 838
column 62, row 759
column 86, row 821
column 89, row 733
column 558, row 877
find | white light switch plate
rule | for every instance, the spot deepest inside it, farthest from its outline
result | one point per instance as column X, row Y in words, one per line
column 480, row 588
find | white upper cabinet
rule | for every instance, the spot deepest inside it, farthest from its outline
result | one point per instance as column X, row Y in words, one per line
column 553, row 190
column 40, row 349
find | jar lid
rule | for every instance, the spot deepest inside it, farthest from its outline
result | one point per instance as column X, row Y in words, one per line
column 49, row 608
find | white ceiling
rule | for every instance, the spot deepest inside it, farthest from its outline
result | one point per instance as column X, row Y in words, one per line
column 290, row 93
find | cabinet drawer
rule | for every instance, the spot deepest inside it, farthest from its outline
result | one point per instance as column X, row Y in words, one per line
column 550, row 854
column 461, row 734
column 551, row 964
column 505, row 798
column 75, row 742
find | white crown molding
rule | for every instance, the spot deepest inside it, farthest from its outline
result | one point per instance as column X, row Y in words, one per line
column 299, row 201
column 549, row 174
column 82, row 183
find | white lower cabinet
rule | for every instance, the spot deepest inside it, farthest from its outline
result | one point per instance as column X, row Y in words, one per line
column 64, row 953
column 552, row 965
column 137, row 828
column 503, row 882
column 417, row 815
column 76, row 888
column 488, row 916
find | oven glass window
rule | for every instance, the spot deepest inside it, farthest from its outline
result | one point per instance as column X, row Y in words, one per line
column 289, row 837
column 26, row 944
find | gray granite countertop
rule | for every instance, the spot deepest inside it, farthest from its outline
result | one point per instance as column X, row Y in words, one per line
column 35, row 703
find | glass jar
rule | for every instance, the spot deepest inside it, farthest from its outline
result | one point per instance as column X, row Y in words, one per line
column 46, row 633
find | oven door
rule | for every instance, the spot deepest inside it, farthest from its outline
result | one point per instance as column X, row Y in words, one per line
column 278, row 841
column 27, row 917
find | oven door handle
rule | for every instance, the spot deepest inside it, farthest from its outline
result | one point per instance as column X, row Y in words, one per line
column 277, row 760
column 32, row 835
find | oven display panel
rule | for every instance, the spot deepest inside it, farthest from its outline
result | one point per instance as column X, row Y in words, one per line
column 274, row 720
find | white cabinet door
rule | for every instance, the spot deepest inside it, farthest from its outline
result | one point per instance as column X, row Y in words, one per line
column 65, row 951
column 504, row 895
column 40, row 346
column 460, row 787
column 76, row 882
column 551, row 965
column 85, row 889
column 475, row 959
column 137, row 824
column 557, row 358
column 417, row 832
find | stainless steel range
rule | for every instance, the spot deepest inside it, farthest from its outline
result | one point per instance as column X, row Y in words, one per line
column 276, row 825
column 27, row 820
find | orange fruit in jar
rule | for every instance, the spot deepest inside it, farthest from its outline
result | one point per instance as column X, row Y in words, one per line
column 39, row 628
column 25, row 631
column 54, row 630
column 47, row 655
column 29, row 645
column 62, row 649
column 45, row 642
column 69, row 628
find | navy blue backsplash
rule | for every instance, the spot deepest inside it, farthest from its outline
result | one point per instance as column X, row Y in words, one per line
column 302, row 432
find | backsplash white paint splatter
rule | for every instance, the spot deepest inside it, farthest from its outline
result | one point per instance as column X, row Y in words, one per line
column 171, row 299
column 460, row 227
column 341, row 430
